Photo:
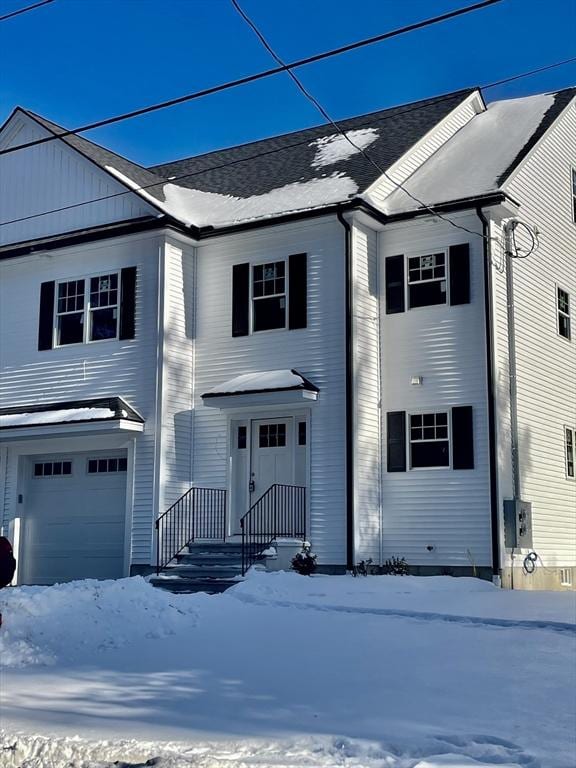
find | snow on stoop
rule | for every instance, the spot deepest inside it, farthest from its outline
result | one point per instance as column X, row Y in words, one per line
column 206, row 567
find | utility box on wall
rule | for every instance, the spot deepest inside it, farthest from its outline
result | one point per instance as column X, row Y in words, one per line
column 517, row 524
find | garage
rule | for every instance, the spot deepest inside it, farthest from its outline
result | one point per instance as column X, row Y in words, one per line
column 74, row 516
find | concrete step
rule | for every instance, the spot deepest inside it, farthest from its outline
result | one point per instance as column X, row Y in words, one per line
column 214, row 547
column 190, row 586
column 193, row 571
column 232, row 559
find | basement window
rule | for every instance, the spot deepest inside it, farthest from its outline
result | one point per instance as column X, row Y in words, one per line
column 563, row 306
column 427, row 280
column 429, row 442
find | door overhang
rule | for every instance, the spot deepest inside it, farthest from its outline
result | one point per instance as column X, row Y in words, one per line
column 283, row 387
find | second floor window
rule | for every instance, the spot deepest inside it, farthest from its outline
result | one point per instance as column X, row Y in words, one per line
column 87, row 310
column 426, row 280
column 574, row 195
column 569, row 439
column 563, row 306
column 269, row 296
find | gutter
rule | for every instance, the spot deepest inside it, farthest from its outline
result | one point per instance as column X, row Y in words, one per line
column 204, row 233
column 493, row 463
column 349, row 397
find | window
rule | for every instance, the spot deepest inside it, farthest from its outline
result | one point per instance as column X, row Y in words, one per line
column 70, row 312
column 573, row 195
column 103, row 307
column 242, row 434
column 269, row 296
column 565, row 577
column 272, row 436
column 429, row 443
column 72, row 309
column 426, row 280
column 301, row 433
column 569, row 440
column 563, row 306
column 99, row 466
column 52, row 468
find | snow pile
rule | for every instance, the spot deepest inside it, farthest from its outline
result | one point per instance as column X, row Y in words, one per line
column 55, row 417
column 332, row 149
column 432, row 597
column 472, row 161
column 313, row 752
column 46, row 625
column 193, row 206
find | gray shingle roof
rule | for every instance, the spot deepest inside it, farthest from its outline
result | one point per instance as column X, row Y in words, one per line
column 261, row 166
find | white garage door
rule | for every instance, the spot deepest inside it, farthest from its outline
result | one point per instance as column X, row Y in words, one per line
column 74, row 517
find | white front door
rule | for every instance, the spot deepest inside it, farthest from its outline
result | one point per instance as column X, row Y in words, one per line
column 272, row 459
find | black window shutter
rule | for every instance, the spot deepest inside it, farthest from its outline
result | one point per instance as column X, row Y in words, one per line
column 127, row 303
column 462, row 437
column 240, row 299
column 394, row 284
column 460, row 274
column 396, row 441
column 298, row 291
column 46, row 316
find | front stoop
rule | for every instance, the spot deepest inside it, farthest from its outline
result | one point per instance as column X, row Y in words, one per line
column 204, row 567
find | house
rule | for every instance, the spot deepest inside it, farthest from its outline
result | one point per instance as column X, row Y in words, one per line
column 286, row 338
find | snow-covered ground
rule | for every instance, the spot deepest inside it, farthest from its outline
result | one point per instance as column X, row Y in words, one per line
column 284, row 670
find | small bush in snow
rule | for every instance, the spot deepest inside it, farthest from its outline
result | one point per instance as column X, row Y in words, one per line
column 396, row 566
column 304, row 562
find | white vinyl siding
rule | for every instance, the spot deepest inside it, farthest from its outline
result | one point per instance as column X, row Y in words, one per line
column 118, row 368
column 366, row 388
column 440, row 508
column 54, row 176
column 317, row 352
column 546, row 362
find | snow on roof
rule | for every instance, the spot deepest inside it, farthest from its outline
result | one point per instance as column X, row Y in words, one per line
column 473, row 161
column 332, row 149
column 65, row 415
column 261, row 381
column 193, row 206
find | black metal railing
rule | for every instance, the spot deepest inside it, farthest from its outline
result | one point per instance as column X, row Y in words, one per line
column 199, row 514
column 279, row 513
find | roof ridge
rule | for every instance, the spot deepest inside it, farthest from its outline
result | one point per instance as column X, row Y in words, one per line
column 430, row 99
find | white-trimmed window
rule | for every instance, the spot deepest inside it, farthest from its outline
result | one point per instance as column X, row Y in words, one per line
column 569, row 447
column 269, row 296
column 573, row 175
column 106, row 465
column 427, row 280
column 563, row 307
column 87, row 309
column 429, row 440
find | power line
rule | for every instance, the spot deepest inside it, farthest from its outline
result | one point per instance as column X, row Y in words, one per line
column 161, row 181
column 340, row 130
column 253, row 78
column 25, row 10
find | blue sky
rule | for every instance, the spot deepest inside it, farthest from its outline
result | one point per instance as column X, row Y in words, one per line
column 76, row 61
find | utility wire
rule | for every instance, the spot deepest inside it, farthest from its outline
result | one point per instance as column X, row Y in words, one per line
column 162, row 181
column 25, row 10
column 341, row 131
column 252, row 78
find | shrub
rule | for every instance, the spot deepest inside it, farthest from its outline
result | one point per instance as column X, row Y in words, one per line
column 396, row 566
column 304, row 562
